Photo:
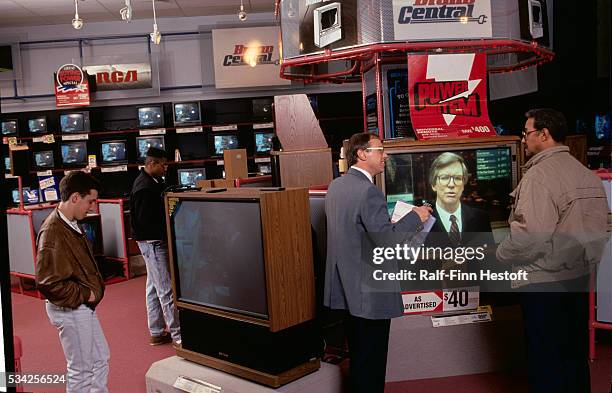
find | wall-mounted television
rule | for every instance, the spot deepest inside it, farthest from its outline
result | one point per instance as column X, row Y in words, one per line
column 113, row 152
column 31, row 196
column 9, row 127
column 150, row 117
column 44, row 159
column 187, row 113
column 38, row 125
column 92, row 228
column 191, row 176
column 327, row 24
column 263, row 142
column 74, row 153
column 224, row 141
column 143, row 143
column 602, row 126
column 74, row 123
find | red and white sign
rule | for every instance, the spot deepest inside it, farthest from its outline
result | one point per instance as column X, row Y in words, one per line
column 121, row 76
column 443, row 300
column 448, row 96
column 71, row 87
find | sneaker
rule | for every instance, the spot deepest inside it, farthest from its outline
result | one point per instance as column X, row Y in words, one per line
column 177, row 343
column 159, row 340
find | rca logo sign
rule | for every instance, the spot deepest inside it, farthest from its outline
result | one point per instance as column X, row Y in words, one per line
column 121, row 76
column 117, row 77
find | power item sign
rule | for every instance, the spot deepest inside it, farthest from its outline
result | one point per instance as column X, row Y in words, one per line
column 71, row 87
column 448, row 96
column 121, row 76
column 441, row 19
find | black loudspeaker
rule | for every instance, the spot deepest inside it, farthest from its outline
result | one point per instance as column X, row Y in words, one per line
column 20, row 161
column 262, row 108
column 250, row 345
column 6, row 58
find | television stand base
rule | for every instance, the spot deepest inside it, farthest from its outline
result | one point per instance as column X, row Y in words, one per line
column 274, row 381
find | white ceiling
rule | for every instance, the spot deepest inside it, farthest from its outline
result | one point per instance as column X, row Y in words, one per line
column 51, row 12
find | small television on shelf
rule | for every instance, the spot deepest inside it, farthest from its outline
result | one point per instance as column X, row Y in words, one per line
column 92, row 228
column 31, row 196
column 38, row 125
column 263, row 142
column 15, row 195
column 74, row 123
column 9, row 127
column 7, row 164
column 150, row 117
column 113, row 152
column 265, row 168
column 44, row 159
column 191, row 176
column 74, row 153
column 143, row 143
column 223, row 142
column 602, row 126
column 186, row 113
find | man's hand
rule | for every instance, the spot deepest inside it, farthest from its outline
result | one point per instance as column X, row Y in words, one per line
column 423, row 211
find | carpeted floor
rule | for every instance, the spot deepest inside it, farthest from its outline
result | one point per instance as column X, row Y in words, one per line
column 123, row 317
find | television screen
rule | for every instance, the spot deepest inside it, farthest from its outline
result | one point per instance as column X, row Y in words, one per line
column 38, row 126
column 74, row 153
column 150, row 117
column 15, row 195
column 92, row 229
column 30, row 196
column 73, row 123
column 9, row 127
column 222, row 142
column 145, row 142
column 113, row 152
column 187, row 113
column 219, row 255
column 192, row 146
column 7, row 163
column 491, row 177
column 263, row 142
column 264, row 168
column 190, row 177
column 602, row 126
column 44, row 159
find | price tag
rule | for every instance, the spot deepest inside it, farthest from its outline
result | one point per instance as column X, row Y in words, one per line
column 193, row 385
column 447, row 300
column 459, row 299
column 39, row 139
column 187, row 130
column 220, row 162
column 262, row 159
column 461, row 319
column 153, row 131
column 75, row 137
column 229, row 127
column 118, row 168
column 259, row 126
column 45, row 173
column 49, row 138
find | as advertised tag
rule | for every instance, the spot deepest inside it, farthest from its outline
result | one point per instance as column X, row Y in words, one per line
column 153, row 131
column 75, row 137
column 420, row 302
column 447, row 300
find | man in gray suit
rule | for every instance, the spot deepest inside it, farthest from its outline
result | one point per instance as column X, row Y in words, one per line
column 355, row 207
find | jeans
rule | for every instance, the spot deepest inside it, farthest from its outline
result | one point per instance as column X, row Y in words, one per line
column 160, row 305
column 84, row 345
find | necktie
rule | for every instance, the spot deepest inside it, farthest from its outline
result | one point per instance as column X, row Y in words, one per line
column 454, row 234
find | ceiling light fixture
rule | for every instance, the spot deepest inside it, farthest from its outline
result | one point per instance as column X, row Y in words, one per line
column 126, row 12
column 242, row 15
column 155, row 35
column 77, row 22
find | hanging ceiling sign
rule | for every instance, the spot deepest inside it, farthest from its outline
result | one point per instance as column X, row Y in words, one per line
column 247, row 57
column 71, row 86
column 121, row 76
column 448, row 96
column 441, row 19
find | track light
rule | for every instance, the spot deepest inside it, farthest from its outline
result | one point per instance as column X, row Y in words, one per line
column 242, row 15
column 126, row 12
column 77, row 22
column 155, row 35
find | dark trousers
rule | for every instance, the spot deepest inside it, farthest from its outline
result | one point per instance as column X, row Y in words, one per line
column 368, row 341
column 556, row 333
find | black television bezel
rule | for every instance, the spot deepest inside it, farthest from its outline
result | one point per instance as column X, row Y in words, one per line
column 86, row 123
column 97, row 220
column 214, row 149
column 185, row 123
column 37, row 119
column 44, row 168
column 75, row 165
column 113, row 163
column 160, row 107
column 138, row 138
column 179, row 170
column 265, row 153
column 8, row 121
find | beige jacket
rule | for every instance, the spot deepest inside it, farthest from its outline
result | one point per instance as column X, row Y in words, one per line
column 559, row 219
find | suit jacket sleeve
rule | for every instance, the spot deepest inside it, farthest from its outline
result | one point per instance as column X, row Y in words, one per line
column 375, row 217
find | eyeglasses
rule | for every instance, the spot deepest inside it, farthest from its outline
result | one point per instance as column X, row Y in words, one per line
column 382, row 149
column 527, row 132
column 445, row 179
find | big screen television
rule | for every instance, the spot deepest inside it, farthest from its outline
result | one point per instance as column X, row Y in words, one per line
column 38, row 125
column 492, row 164
column 44, row 159
column 74, row 123
column 143, row 143
column 9, row 127
column 74, row 153
column 186, row 113
column 223, row 142
column 113, row 152
column 263, row 142
column 150, row 117
column 191, row 176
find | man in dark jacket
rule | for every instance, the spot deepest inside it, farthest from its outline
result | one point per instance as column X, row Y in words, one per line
column 67, row 274
column 149, row 230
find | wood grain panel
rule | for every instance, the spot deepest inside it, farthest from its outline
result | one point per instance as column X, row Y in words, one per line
column 297, row 126
column 305, row 168
column 235, row 162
